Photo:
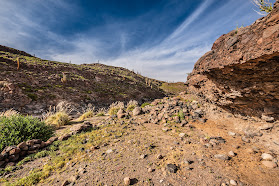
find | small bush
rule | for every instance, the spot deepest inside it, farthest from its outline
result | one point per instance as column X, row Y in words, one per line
column 114, row 108
column 181, row 115
column 113, row 111
column 58, row 119
column 17, row 128
column 87, row 114
column 130, row 108
column 101, row 112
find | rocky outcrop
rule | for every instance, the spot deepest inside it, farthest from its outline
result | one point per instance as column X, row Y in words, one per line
column 241, row 72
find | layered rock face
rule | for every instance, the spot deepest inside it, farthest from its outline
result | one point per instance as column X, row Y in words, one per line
column 241, row 72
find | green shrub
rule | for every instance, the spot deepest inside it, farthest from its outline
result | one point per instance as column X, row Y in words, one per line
column 181, row 115
column 17, row 128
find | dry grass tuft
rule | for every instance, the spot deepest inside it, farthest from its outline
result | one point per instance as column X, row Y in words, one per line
column 9, row 113
column 88, row 113
column 131, row 105
column 115, row 107
column 58, row 119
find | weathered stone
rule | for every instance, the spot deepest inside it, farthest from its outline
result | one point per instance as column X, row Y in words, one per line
column 137, row 111
column 127, row 181
column 172, row 168
column 43, row 144
column 221, row 156
column 2, row 163
column 64, row 137
column 269, row 164
column 1, row 157
column 81, row 127
column 268, row 118
column 182, row 135
column 66, row 182
column 14, row 151
column 233, row 182
column 166, row 129
column 231, row 133
column 52, row 139
column 231, row 154
column 266, row 156
column 22, row 146
column 14, row 158
column 266, row 126
column 11, row 164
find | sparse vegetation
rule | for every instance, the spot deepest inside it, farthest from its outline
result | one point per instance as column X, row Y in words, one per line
column 145, row 104
column 114, row 108
column 101, row 112
column 16, row 128
column 88, row 113
column 131, row 105
column 58, row 119
column 264, row 6
column 9, row 113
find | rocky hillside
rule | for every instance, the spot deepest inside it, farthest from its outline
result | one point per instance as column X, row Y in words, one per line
column 173, row 141
column 33, row 84
column 241, row 72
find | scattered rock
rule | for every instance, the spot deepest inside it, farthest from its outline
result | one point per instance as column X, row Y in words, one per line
column 231, row 133
column 266, row 156
column 137, row 111
column 65, row 183
column 266, row 126
column 269, row 164
column 233, row 182
column 127, row 181
column 231, row 154
column 151, row 170
column 268, row 118
column 221, row 156
column 109, row 151
column 64, row 137
column 172, row 168
column 160, row 156
column 245, row 139
column 165, row 129
column 143, row 156
column 182, row 135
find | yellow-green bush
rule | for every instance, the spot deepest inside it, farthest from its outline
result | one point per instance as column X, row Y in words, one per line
column 87, row 114
column 58, row 119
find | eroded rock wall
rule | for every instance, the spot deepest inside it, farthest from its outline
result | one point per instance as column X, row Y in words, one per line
column 241, row 72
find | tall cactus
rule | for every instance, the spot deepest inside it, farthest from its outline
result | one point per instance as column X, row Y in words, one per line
column 17, row 59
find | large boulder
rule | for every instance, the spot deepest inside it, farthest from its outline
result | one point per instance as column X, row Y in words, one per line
column 241, row 72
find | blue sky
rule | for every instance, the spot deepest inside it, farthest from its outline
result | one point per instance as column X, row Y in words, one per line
column 161, row 39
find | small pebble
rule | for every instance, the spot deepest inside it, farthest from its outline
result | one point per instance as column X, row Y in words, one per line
column 269, row 164
column 127, row 181
column 231, row 154
column 232, row 182
column 266, row 156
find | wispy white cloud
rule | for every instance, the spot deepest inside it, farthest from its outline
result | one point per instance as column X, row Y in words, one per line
column 170, row 59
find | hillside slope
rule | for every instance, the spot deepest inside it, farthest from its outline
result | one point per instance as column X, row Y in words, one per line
column 37, row 84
